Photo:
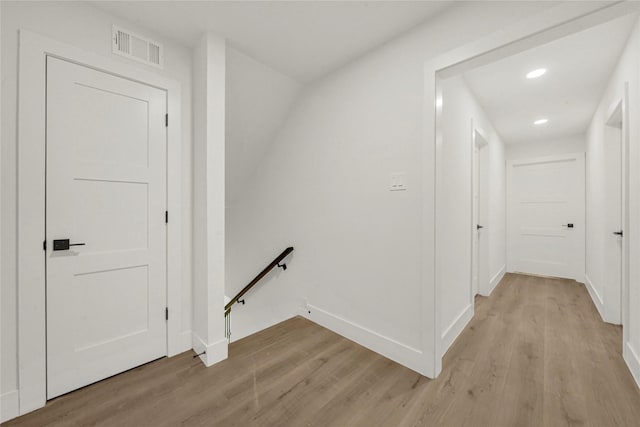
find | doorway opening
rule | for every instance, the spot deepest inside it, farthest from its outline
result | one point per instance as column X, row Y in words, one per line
column 544, row 129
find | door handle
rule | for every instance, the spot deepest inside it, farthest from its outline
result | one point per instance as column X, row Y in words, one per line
column 570, row 225
column 618, row 233
column 478, row 226
column 63, row 244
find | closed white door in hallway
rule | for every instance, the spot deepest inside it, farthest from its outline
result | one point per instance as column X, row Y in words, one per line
column 480, row 255
column 614, row 233
column 106, row 193
column 545, row 216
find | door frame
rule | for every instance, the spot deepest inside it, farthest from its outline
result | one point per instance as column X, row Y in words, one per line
column 33, row 51
column 552, row 24
column 620, row 104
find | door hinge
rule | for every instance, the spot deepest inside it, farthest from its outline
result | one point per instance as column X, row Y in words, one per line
column 44, row 245
column 166, row 217
column 166, row 120
column 166, row 313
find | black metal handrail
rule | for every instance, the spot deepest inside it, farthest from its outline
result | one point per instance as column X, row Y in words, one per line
column 267, row 269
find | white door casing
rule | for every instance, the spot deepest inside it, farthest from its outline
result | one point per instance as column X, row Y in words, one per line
column 106, row 188
column 546, row 216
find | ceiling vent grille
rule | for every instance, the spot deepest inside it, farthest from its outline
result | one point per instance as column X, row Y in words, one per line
column 136, row 47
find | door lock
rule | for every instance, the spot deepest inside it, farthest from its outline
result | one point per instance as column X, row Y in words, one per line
column 63, row 244
column 570, row 225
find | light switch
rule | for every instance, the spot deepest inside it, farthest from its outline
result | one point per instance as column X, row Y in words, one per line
column 397, row 182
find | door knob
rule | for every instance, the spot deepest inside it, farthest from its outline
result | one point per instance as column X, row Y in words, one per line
column 618, row 233
column 63, row 244
column 478, row 226
column 570, row 225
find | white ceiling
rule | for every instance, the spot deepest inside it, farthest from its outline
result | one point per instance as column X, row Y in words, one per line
column 579, row 67
column 304, row 39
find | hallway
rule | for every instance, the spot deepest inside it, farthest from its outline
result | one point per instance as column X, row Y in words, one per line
column 536, row 353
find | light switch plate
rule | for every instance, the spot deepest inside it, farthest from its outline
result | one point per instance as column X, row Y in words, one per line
column 397, row 182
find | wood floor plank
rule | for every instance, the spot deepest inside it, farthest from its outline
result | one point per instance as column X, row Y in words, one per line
column 536, row 353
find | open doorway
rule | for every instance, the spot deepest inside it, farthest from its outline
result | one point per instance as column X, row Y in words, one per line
column 551, row 160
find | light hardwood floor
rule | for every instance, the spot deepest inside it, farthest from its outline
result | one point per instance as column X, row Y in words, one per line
column 535, row 354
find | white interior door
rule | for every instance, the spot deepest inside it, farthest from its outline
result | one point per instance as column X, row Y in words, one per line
column 106, row 189
column 480, row 203
column 483, row 219
column 545, row 216
column 475, row 276
column 614, row 233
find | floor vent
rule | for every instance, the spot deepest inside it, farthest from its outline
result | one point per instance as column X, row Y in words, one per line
column 136, row 47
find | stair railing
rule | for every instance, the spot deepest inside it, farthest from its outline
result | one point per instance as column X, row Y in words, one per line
column 236, row 299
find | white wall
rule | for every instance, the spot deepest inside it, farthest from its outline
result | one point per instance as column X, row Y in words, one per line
column 258, row 102
column 209, row 70
column 323, row 188
column 627, row 70
column 90, row 29
column 567, row 145
column 497, row 212
column 461, row 109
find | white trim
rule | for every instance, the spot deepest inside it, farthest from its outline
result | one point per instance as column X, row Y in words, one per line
column 496, row 279
column 9, row 405
column 559, row 21
column 392, row 349
column 633, row 361
column 626, row 217
column 33, row 51
column 545, row 159
column 595, row 296
column 456, row 327
column 210, row 354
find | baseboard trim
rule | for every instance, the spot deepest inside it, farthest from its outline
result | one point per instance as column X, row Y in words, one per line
column 633, row 362
column 452, row 332
column 496, row 279
column 401, row 353
column 595, row 296
column 211, row 353
column 9, row 405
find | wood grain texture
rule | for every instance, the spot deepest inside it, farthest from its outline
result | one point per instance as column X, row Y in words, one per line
column 535, row 354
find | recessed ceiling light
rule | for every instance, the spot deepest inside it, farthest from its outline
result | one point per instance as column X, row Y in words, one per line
column 540, row 122
column 536, row 73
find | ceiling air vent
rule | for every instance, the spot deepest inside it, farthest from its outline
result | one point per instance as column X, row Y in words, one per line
column 133, row 46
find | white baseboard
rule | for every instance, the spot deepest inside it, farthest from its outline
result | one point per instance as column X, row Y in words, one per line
column 496, row 279
column 211, row 353
column 633, row 361
column 452, row 332
column 401, row 353
column 9, row 405
column 595, row 296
